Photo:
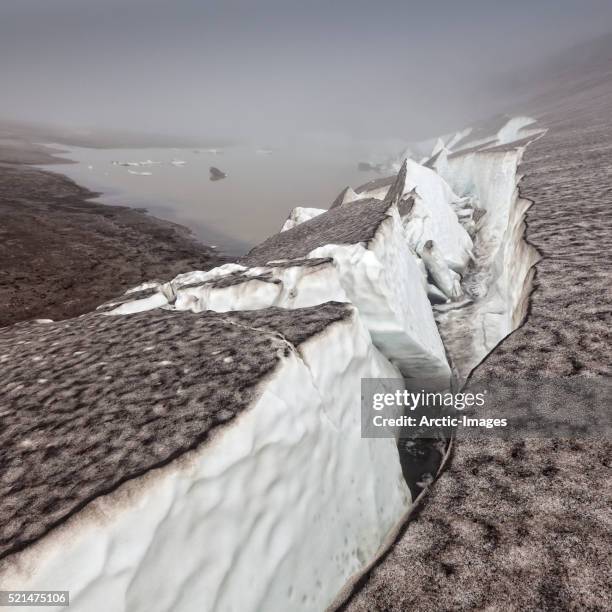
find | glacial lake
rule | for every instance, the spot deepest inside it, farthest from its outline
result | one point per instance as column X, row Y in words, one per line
column 235, row 213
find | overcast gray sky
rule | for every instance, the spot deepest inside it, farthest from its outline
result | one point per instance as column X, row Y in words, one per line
column 268, row 68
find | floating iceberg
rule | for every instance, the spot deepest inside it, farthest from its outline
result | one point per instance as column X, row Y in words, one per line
column 216, row 174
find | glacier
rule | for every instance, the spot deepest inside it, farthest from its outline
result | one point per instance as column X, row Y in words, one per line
column 499, row 279
column 299, row 215
column 366, row 260
column 287, row 502
column 284, row 503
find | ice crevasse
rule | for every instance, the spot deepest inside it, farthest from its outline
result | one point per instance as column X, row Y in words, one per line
column 270, row 499
column 357, row 252
column 274, row 510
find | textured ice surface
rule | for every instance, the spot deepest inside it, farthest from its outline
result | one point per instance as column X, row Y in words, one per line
column 263, row 485
column 288, row 284
column 432, row 215
column 499, row 130
column 472, row 185
column 515, row 129
column 457, row 137
column 274, row 510
column 445, row 279
column 519, row 524
column 384, row 281
column 437, row 147
column 356, row 253
column 299, row 215
column 346, row 196
column 291, row 284
column 474, row 175
column 499, row 279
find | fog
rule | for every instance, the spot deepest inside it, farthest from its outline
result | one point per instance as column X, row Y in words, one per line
column 269, row 70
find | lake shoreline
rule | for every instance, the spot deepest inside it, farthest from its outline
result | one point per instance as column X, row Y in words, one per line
column 63, row 253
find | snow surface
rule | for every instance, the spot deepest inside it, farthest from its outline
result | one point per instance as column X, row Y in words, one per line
column 275, row 513
column 437, row 147
column 495, row 265
column 458, row 136
column 154, row 301
column 299, row 215
column 297, row 286
column 288, row 502
column 514, row 129
column 444, row 278
column 384, row 280
column 287, row 286
column 386, row 284
column 433, row 216
column 500, row 279
column 351, row 196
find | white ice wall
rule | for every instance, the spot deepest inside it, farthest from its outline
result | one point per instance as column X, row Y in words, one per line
column 297, row 286
column 286, row 503
column 514, row 129
column 299, row 215
column 432, row 217
column 503, row 259
column 275, row 513
column 386, row 284
column 383, row 280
